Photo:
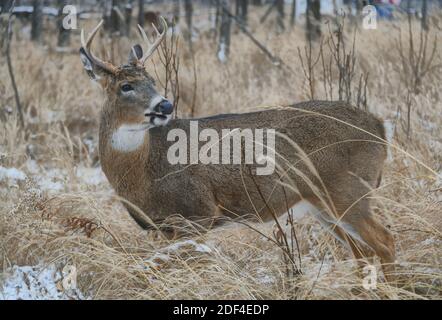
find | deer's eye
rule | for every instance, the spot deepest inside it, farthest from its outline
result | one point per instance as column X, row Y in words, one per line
column 126, row 87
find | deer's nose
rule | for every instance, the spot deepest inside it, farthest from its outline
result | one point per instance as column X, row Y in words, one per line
column 165, row 107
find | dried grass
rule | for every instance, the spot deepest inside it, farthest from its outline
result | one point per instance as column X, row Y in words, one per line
column 86, row 226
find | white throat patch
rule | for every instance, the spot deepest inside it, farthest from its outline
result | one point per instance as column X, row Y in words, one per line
column 128, row 137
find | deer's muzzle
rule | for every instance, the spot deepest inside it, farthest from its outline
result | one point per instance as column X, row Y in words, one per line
column 164, row 107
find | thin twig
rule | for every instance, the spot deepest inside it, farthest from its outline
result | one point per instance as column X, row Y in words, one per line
column 10, row 69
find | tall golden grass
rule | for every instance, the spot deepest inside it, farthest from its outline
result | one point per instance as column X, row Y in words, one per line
column 85, row 225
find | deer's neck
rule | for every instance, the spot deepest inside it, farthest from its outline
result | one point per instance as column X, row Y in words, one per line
column 123, row 153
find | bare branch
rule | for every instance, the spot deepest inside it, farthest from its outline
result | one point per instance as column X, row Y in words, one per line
column 8, row 32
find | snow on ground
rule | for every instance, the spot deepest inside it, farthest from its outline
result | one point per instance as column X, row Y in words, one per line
column 164, row 254
column 263, row 276
column 198, row 247
column 389, row 126
column 50, row 180
column 302, row 209
column 38, row 283
column 91, row 176
column 11, row 175
column 55, row 179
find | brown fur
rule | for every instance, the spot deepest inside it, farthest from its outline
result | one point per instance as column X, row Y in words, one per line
column 347, row 168
column 344, row 144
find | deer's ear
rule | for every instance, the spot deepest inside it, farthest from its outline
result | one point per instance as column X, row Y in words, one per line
column 94, row 71
column 136, row 53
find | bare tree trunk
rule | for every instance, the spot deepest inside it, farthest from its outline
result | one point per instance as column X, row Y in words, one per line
column 37, row 20
column 409, row 9
column 293, row 14
column 114, row 19
column 424, row 21
column 218, row 12
column 308, row 23
column 349, row 4
column 188, row 8
column 5, row 6
column 120, row 12
column 275, row 60
column 8, row 35
column 335, row 14
column 224, row 37
column 268, row 11
column 141, row 13
column 280, row 17
column 359, row 7
column 63, row 34
column 176, row 12
column 313, row 19
column 242, row 10
column 128, row 18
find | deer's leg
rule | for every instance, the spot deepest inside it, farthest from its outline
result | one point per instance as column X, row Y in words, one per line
column 365, row 235
column 359, row 252
column 380, row 240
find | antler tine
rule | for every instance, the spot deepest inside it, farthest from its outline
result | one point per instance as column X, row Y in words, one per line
column 91, row 36
column 143, row 35
column 156, row 43
column 87, row 47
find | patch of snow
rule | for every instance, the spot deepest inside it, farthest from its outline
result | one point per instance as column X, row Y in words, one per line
column 90, row 144
column 37, row 283
column 390, row 127
column 302, row 209
column 8, row 109
column 55, row 179
column 327, row 7
column 318, row 269
column 157, row 260
column 198, row 247
column 429, row 125
column 163, row 255
column 29, row 9
column 51, row 180
column 91, row 176
column 47, row 117
column 263, row 277
column 431, row 242
column 435, row 145
column 11, row 175
column 222, row 53
column 32, row 166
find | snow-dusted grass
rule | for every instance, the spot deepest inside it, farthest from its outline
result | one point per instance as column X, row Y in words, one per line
column 37, row 283
column 11, row 175
column 58, row 210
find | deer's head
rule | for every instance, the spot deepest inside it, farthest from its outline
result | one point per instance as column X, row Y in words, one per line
column 130, row 90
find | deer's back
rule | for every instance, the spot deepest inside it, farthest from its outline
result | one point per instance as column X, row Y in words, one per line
column 311, row 125
column 337, row 139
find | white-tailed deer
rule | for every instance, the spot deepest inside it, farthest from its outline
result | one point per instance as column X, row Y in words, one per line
column 328, row 153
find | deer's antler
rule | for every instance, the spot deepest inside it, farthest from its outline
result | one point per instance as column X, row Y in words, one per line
column 86, row 45
column 153, row 46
